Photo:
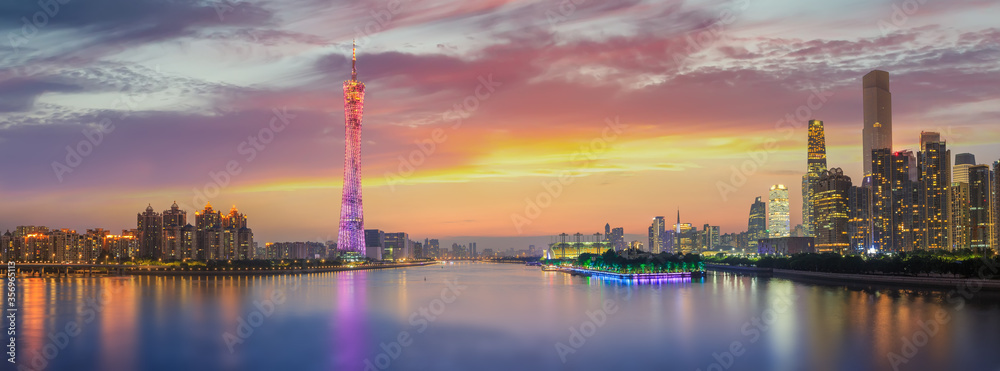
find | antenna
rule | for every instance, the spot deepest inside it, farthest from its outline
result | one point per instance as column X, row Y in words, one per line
column 354, row 61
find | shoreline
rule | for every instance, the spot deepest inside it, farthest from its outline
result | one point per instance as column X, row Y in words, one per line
column 936, row 283
column 239, row 272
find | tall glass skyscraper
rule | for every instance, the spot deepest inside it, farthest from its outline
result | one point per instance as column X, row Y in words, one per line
column 935, row 178
column 877, row 131
column 778, row 222
column 351, row 236
column 815, row 166
column 757, row 224
column 831, row 211
column 980, row 202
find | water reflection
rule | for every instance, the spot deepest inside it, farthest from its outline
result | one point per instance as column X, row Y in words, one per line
column 509, row 317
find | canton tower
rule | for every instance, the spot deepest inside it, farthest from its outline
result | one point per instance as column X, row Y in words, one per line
column 351, row 236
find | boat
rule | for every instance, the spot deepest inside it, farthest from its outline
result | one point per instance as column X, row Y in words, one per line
column 550, row 268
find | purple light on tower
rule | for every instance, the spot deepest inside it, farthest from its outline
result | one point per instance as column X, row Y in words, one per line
column 351, row 236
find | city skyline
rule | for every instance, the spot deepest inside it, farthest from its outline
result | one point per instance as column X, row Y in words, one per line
column 496, row 152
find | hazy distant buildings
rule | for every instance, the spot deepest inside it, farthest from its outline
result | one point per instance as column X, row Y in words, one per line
column 877, row 131
column 831, row 211
column 815, row 166
column 778, row 222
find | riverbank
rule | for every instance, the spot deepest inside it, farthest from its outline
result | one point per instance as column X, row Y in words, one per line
column 940, row 283
column 204, row 271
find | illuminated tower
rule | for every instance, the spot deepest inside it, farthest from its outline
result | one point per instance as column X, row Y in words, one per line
column 351, row 236
column 877, row 131
column 815, row 166
column 778, row 223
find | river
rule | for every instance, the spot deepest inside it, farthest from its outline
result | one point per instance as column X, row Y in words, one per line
column 481, row 316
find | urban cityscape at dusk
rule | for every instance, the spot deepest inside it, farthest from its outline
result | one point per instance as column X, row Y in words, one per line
column 498, row 185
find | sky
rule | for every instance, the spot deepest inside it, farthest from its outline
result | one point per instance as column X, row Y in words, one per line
column 502, row 122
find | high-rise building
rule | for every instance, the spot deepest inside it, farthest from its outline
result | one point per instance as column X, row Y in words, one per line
column 832, row 212
column 815, row 166
column 881, row 201
column 473, row 252
column 960, row 172
column 350, row 236
column 656, row 234
column 236, row 239
column 150, row 226
column 174, row 221
column 935, row 178
column 960, row 220
column 778, row 222
column 859, row 223
column 208, row 233
column 375, row 243
column 757, row 223
column 996, row 206
column 396, row 246
column 980, row 202
column 877, row 132
column 904, row 201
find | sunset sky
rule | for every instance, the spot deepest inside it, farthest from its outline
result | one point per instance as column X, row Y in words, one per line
column 695, row 87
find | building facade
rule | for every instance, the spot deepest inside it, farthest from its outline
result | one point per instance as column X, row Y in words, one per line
column 778, row 218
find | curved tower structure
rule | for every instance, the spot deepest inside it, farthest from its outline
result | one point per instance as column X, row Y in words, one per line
column 351, row 236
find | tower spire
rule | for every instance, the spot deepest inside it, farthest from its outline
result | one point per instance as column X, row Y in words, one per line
column 354, row 61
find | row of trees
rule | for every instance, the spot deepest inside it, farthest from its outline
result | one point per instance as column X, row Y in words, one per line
column 916, row 263
column 612, row 261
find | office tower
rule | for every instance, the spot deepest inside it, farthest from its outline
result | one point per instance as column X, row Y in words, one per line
column 656, row 234
column 815, row 166
column 757, row 223
column 607, row 232
column 881, row 202
column 711, row 233
column 778, row 223
column 980, row 199
column 996, row 206
column 928, row 137
column 418, row 250
column 375, row 243
column 935, row 178
column 685, row 235
column 351, row 237
column 960, row 172
column 904, row 201
column 877, row 132
column 208, row 236
column 832, row 211
column 859, row 222
column 150, row 225
column 174, row 221
column 473, row 252
column 396, row 247
column 959, row 223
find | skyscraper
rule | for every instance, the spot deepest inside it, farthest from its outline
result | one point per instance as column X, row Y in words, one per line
column 757, row 224
column 150, row 225
column 815, row 166
column 881, row 201
column 351, row 236
column 859, row 224
column 174, row 220
column 207, row 239
column 656, row 234
column 960, row 220
column 980, row 200
column 996, row 205
column 960, row 172
column 831, row 211
column 904, row 201
column 877, row 132
column 935, row 178
column 778, row 223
